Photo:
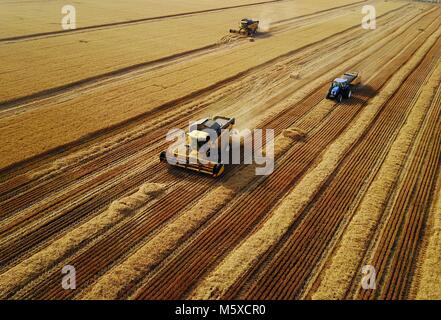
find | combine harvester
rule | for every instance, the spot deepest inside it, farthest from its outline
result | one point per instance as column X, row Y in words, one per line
column 342, row 87
column 247, row 27
column 198, row 137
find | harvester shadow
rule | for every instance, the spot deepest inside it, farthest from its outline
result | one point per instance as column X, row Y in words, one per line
column 263, row 35
column 231, row 167
column 185, row 174
column 190, row 175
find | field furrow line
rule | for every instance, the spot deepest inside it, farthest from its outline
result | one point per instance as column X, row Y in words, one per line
column 427, row 276
column 135, row 230
column 397, row 248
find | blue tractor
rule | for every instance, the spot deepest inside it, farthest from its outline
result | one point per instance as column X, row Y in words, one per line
column 341, row 88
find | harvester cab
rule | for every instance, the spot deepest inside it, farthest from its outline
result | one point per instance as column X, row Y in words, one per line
column 204, row 135
column 342, row 87
column 247, row 27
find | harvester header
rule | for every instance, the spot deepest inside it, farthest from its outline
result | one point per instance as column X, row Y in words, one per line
column 203, row 136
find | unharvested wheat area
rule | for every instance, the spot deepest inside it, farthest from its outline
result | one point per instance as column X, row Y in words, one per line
column 84, row 116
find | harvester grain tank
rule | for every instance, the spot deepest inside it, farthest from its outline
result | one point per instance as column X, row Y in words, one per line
column 247, row 27
column 199, row 142
column 342, row 87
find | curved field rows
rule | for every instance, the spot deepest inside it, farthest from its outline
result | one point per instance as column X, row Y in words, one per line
column 241, row 87
column 22, row 183
column 73, row 210
column 133, row 238
column 341, row 267
column 77, row 115
column 81, row 183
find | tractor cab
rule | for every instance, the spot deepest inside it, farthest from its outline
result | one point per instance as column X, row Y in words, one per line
column 342, row 87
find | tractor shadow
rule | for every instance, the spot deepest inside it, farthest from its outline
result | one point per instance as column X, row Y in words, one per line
column 361, row 95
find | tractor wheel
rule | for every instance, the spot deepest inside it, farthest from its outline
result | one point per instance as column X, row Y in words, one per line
column 349, row 95
column 163, row 156
column 339, row 98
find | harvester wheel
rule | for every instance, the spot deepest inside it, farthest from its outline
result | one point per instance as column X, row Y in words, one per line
column 218, row 170
column 163, row 156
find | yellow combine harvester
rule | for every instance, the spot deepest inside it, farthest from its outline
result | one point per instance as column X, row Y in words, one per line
column 247, row 27
column 198, row 145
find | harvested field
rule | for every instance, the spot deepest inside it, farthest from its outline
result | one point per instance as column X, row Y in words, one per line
column 84, row 116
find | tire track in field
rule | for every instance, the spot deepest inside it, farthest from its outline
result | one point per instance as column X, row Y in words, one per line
column 136, row 230
column 101, row 133
column 252, row 271
column 428, row 276
column 44, row 35
column 333, row 280
column 16, row 183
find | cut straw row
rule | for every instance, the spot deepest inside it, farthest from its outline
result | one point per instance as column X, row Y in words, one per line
column 23, row 272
